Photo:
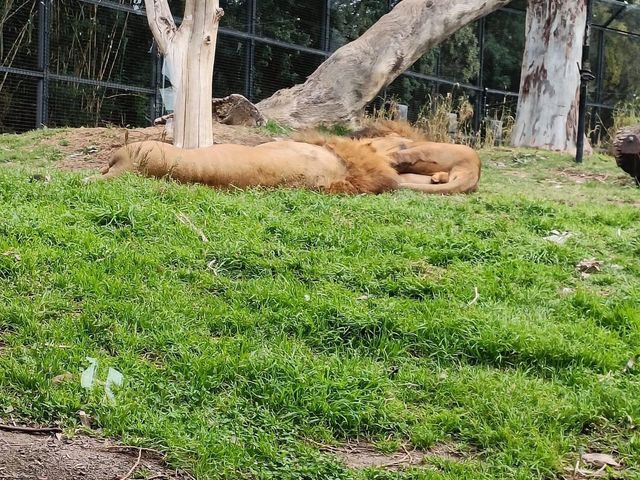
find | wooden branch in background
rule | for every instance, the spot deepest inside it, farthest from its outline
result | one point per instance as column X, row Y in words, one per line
column 161, row 23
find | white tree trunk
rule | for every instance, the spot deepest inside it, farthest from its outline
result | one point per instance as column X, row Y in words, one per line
column 547, row 115
column 348, row 80
column 190, row 52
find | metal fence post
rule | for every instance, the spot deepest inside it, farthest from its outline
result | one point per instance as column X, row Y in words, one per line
column 585, row 77
column 600, row 77
column 438, row 72
column 326, row 27
column 44, row 47
column 250, row 54
column 156, row 105
column 478, row 117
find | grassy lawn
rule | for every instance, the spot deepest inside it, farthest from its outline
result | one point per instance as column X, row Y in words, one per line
column 307, row 319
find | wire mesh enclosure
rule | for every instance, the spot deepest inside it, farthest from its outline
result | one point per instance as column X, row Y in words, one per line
column 94, row 62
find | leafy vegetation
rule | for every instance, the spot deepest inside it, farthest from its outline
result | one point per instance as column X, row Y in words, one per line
column 98, row 43
column 272, row 127
column 329, row 318
column 626, row 114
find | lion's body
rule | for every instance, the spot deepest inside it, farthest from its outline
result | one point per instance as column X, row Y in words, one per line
column 451, row 168
column 328, row 164
column 421, row 165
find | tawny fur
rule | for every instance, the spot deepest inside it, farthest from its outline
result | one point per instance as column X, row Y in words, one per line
column 367, row 170
column 425, row 166
column 383, row 128
column 326, row 163
column 449, row 168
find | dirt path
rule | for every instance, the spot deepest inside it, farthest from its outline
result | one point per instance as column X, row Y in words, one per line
column 91, row 148
column 47, row 457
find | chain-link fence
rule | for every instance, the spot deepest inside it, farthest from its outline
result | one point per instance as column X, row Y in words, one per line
column 93, row 62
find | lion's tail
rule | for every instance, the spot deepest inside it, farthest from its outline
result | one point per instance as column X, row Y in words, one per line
column 465, row 182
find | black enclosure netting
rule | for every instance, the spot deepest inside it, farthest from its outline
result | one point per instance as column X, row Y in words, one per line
column 94, row 62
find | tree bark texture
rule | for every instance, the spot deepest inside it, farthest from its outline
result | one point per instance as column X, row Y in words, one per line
column 354, row 74
column 547, row 115
column 190, row 52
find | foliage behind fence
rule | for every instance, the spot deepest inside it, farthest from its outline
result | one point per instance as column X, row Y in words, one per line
column 93, row 62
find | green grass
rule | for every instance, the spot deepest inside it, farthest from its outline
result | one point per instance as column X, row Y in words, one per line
column 30, row 148
column 272, row 127
column 340, row 129
column 329, row 318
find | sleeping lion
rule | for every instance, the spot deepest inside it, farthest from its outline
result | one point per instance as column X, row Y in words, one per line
column 381, row 158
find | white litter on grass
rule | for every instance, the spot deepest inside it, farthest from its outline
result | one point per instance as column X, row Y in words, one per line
column 86, row 380
column 558, row 237
column 114, row 377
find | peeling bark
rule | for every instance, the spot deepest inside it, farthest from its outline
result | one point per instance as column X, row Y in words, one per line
column 547, row 115
column 349, row 79
column 190, row 51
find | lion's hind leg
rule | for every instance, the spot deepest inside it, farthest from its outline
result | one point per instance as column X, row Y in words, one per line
column 428, row 183
column 413, row 179
column 440, row 177
column 106, row 173
column 420, row 179
column 119, row 163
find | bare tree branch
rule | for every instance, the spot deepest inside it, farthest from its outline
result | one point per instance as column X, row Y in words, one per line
column 354, row 74
column 161, row 23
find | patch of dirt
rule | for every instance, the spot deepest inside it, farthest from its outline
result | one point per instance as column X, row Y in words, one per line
column 359, row 455
column 495, row 164
column 517, row 173
column 579, row 176
column 594, row 465
column 91, row 148
column 48, row 457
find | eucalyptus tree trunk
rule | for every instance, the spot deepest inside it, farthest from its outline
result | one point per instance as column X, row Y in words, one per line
column 190, row 52
column 351, row 78
column 547, row 115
